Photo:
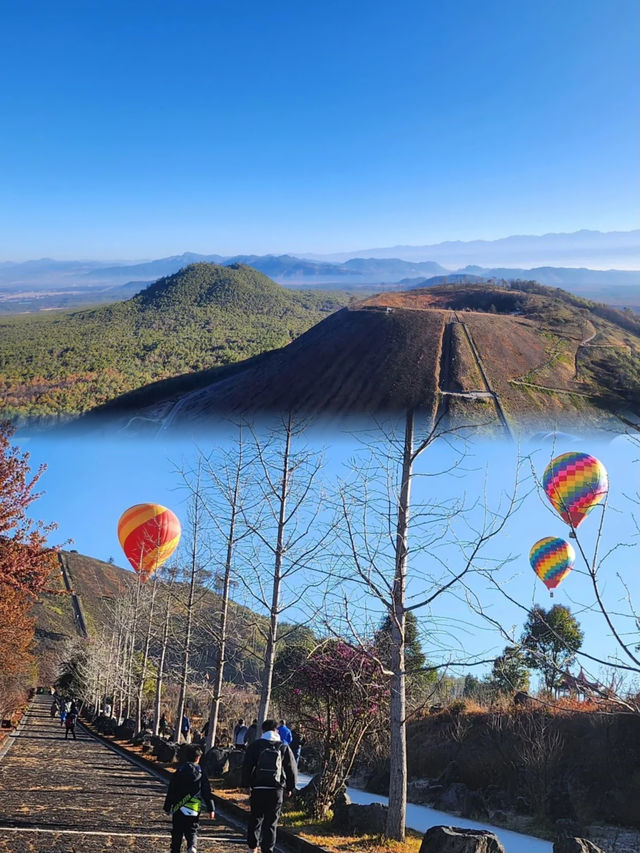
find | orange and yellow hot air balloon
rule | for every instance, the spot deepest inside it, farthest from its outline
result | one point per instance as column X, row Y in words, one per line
column 149, row 534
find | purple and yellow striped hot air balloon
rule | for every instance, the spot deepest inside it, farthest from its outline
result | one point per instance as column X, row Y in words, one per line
column 149, row 534
column 552, row 559
column 575, row 483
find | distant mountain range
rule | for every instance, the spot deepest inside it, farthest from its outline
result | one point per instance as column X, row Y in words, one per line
column 31, row 284
column 602, row 250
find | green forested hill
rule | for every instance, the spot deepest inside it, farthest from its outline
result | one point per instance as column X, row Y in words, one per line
column 204, row 315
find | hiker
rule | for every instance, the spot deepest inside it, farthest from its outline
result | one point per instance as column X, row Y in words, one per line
column 163, row 725
column 63, row 711
column 188, row 794
column 269, row 772
column 285, row 733
column 297, row 742
column 239, row 734
column 70, row 721
column 252, row 733
column 185, row 728
column 107, row 709
column 54, row 708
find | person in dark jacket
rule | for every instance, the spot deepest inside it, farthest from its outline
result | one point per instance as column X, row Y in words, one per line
column 269, row 772
column 251, row 733
column 188, row 794
column 70, row 721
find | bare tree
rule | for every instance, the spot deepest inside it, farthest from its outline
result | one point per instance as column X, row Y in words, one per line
column 378, row 521
column 282, row 516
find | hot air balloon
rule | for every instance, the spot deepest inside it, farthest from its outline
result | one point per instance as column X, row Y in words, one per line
column 149, row 534
column 575, row 483
column 552, row 559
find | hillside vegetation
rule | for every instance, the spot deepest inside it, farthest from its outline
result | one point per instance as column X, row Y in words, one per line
column 203, row 316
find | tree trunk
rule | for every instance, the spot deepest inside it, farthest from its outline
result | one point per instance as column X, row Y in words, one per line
column 145, row 656
column 272, row 637
column 163, row 653
column 224, row 610
column 188, row 627
column 396, row 818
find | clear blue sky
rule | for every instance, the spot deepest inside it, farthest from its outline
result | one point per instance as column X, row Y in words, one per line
column 149, row 128
column 90, row 482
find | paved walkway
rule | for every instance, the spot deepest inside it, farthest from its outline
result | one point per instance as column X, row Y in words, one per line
column 60, row 796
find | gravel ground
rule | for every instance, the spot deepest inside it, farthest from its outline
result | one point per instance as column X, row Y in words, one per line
column 60, row 796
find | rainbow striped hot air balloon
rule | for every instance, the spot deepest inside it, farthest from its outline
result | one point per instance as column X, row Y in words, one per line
column 552, row 559
column 149, row 534
column 575, row 483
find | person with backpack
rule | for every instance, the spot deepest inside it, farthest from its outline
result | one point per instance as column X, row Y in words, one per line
column 269, row 772
column 70, row 721
column 239, row 735
column 188, row 794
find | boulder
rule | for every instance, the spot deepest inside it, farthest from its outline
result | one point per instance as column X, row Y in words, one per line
column 127, row 730
column 166, row 751
column 422, row 791
column 235, row 758
column 303, row 796
column 452, row 798
column 558, row 804
column 576, row 845
column 452, row 839
column 340, row 809
column 184, row 753
column 233, row 778
column 215, row 761
column 147, row 748
column 364, row 820
column 522, row 805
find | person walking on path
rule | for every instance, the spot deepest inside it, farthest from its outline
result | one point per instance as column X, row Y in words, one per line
column 189, row 793
column 185, row 728
column 285, row 733
column 252, row 733
column 239, row 735
column 269, row 772
column 70, row 721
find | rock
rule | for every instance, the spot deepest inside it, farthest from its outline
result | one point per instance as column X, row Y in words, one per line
column 233, row 778
column 422, row 791
column 576, row 845
column 141, row 737
column 127, row 730
column 216, row 761
column 365, row 820
column 451, row 773
column 147, row 748
column 452, row 839
column 565, row 827
column 452, row 798
column 166, row 751
column 303, row 796
column 236, row 758
column 522, row 805
column 340, row 809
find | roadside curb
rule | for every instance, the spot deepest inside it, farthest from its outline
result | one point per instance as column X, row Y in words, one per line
column 230, row 813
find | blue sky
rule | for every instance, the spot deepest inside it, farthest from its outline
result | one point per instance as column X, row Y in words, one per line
column 90, row 482
column 144, row 129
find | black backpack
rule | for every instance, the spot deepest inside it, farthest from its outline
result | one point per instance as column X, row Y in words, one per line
column 269, row 769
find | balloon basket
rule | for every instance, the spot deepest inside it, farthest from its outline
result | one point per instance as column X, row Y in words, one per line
column 572, row 535
column 550, row 595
